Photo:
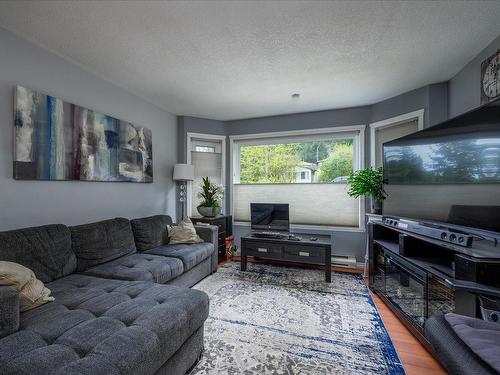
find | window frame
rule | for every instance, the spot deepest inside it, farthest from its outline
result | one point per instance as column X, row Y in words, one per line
column 357, row 133
column 198, row 138
column 390, row 122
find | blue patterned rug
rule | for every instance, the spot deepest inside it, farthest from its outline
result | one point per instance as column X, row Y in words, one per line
column 284, row 320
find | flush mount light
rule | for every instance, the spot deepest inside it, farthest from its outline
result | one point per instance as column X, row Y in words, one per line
column 295, row 96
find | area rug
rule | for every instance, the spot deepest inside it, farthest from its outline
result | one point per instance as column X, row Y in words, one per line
column 284, row 320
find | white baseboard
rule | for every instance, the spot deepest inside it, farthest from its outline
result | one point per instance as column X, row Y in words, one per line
column 344, row 261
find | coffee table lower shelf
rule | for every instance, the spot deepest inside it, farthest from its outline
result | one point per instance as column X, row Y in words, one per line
column 303, row 251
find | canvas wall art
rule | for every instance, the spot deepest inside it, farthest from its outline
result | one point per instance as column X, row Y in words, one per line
column 57, row 140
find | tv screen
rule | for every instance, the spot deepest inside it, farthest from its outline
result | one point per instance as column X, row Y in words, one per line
column 457, row 163
column 269, row 216
column 468, row 153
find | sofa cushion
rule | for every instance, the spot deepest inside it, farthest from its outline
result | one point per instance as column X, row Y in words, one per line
column 99, row 326
column 481, row 336
column 139, row 267
column 190, row 254
column 100, row 242
column 32, row 292
column 150, row 232
column 46, row 250
column 185, row 232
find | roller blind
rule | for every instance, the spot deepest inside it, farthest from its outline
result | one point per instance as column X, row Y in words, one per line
column 206, row 164
column 308, row 172
column 310, row 204
column 390, row 133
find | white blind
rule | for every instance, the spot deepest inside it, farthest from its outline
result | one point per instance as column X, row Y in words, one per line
column 310, row 204
column 390, row 133
column 206, row 164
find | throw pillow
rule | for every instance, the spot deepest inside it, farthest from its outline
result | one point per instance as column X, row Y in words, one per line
column 185, row 232
column 32, row 292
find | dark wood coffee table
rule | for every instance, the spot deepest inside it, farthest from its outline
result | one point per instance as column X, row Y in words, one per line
column 303, row 251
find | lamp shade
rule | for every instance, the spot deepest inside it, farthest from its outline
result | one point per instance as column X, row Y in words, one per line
column 184, row 172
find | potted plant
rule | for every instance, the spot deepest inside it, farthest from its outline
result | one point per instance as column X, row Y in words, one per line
column 368, row 182
column 211, row 196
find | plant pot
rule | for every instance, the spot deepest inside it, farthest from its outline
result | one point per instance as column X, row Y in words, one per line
column 376, row 206
column 209, row 211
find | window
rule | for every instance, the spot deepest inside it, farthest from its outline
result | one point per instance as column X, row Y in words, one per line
column 390, row 129
column 307, row 171
column 207, row 154
column 390, row 133
column 204, row 148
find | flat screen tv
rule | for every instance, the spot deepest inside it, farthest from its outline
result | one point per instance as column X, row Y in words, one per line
column 449, row 172
column 270, row 216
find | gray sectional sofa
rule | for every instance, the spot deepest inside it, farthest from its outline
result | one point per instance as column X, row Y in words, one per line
column 122, row 303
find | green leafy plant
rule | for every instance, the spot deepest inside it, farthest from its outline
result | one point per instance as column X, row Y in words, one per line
column 269, row 163
column 338, row 163
column 210, row 193
column 367, row 182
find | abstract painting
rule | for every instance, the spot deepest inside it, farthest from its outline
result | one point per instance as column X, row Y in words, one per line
column 57, row 140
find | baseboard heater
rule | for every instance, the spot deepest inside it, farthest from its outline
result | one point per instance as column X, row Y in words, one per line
column 344, row 261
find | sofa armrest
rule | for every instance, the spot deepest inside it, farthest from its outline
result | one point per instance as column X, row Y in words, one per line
column 210, row 233
column 9, row 310
column 451, row 351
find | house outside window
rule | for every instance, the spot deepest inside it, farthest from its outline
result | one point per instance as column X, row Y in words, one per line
column 306, row 172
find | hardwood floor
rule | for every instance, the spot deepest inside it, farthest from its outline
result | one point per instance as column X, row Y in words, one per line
column 416, row 359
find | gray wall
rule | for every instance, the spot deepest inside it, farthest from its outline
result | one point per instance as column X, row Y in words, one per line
column 407, row 102
column 464, row 89
column 300, row 121
column 432, row 98
column 26, row 203
column 438, row 103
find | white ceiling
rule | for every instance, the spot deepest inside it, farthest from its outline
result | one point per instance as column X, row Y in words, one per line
column 229, row 60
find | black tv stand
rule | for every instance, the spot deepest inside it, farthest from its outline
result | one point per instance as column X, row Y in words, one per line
column 299, row 250
column 418, row 276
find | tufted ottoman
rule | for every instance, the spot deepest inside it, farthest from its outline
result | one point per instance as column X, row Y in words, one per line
column 103, row 326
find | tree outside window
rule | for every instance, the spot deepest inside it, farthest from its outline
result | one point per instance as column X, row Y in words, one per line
column 285, row 163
